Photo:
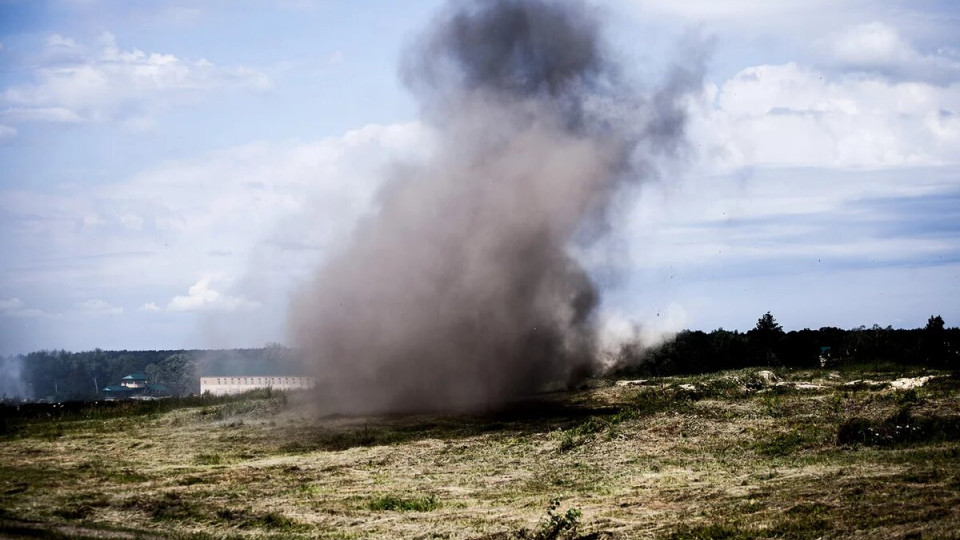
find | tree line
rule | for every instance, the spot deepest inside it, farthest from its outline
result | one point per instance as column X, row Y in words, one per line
column 58, row 375
column 767, row 344
column 64, row 376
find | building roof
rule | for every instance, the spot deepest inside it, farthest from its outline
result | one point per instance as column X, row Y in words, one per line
column 135, row 377
column 113, row 388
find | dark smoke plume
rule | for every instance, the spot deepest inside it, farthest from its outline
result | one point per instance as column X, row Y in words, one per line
column 460, row 291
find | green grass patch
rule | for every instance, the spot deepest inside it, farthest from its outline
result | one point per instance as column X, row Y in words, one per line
column 246, row 519
column 208, row 459
column 393, row 503
column 711, row 531
column 790, row 442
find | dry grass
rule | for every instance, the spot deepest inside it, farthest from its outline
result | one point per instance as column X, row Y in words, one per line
column 649, row 461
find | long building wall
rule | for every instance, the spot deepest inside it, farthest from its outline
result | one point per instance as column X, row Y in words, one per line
column 219, row 386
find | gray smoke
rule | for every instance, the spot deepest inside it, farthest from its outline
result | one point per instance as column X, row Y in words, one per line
column 12, row 384
column 460, row 292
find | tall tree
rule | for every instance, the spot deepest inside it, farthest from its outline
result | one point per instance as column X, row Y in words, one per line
column 765, row 339
column 934, row 341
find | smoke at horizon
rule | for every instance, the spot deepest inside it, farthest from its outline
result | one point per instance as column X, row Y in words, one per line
column 460, row 291
column 12, row 384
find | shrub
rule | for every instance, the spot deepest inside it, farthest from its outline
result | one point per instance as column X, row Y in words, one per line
column 555, row 525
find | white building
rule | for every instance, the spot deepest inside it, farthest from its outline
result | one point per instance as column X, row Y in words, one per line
column 219, row 386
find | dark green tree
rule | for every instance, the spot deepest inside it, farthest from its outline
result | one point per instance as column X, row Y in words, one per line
column 767, row 325
column 177, row 372
column 765, row 339
column 934, row 341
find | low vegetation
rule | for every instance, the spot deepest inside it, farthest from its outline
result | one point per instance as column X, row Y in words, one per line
column 738, row 454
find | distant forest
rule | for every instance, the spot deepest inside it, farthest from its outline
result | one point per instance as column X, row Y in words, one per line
column 767, row 344
column 69, row 376
column 64, row 376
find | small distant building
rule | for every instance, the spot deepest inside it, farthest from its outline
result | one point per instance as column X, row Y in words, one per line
column 219, row 386
column 116, row 392
column 135, row 386
column 135, row 380
column 826, row 357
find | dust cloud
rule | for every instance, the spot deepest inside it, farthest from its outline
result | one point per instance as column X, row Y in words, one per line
column 460, row 291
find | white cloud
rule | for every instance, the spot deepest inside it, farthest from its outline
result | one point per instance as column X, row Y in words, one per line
column 266, row 213
column 26, row 313
column 60, row 115
column 879, row 48
column 98, row 307
column 7, row 133
column 736, row 19
column 102, row 82
column 56, row 40
column 180, row 15
column 335, row 58
column 14, row 307
column 789, row 115
column 873, row 43
column 783, row 221
column 729, row 10
column 202, row 297
column 10, row 304
column 275, row 208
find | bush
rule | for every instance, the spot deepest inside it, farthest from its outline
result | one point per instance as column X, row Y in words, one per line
column 555, row 525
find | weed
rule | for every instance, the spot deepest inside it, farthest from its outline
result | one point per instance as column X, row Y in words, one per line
column 246, row 519
column 169, row 507
column 126, row 476
column 899, row 429
column 787, row 443
column 208, row 459
column 583, row 432
column 944, row 386
column 667, row 400
column 781, row 444
column 906, row 397
column 273, row 520
column 713, row 531
column 54, row 420
column 190, row 481
column 837, row 402
column 772, row 405
column 400, row 504
column 554, row 525
column 80, row 510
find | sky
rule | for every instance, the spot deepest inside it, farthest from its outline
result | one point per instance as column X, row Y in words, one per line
column 171, row 172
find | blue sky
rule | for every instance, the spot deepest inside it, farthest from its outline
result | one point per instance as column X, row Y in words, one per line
column 169, row 172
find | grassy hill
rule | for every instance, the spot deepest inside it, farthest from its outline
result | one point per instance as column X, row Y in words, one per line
column 802, row 454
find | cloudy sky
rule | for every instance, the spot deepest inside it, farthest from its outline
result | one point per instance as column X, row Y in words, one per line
column 170, row 171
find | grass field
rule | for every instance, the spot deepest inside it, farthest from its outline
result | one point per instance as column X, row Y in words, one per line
column 729, row 455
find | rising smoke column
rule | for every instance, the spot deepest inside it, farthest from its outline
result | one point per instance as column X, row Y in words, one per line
column 460, row 290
